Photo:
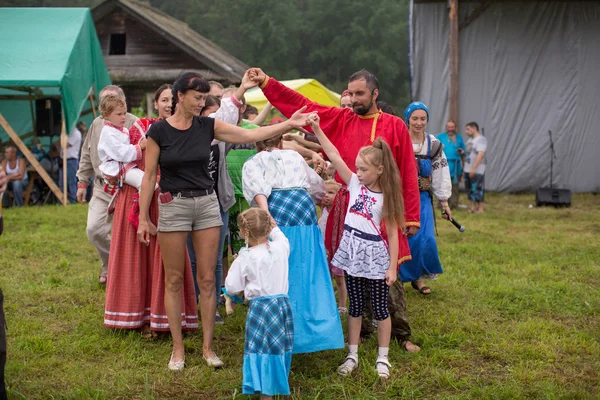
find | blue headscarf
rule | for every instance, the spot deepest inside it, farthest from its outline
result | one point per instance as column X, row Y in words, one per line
column 412, row 107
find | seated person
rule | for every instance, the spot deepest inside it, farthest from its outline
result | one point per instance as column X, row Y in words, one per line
column 40, row 154
column 16, row 171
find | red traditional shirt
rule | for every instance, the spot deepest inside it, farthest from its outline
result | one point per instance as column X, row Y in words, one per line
column 349, row 132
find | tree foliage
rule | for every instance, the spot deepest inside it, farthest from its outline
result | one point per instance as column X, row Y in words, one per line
column 325, row 40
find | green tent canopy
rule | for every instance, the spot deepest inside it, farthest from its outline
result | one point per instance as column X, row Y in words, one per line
column 48, row 52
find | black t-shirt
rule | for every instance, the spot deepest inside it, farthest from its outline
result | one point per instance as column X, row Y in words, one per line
column 184, row 155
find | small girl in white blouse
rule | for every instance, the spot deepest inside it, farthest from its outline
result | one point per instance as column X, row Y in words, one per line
column 261, row 272
column 115, row 151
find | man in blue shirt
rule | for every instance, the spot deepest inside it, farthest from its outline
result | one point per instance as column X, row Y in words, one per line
column 454, row 148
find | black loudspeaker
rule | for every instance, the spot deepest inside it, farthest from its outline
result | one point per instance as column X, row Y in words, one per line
column 553, row 197
column 48, row 117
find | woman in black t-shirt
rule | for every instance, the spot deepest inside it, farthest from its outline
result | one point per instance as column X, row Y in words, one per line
column 180, row 145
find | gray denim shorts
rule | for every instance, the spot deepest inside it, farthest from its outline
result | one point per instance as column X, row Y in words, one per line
column 185, row 214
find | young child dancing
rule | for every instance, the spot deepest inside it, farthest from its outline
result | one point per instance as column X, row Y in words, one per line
column 331, row 189
column 261, row 272
column 364, row 255
column 116, row 154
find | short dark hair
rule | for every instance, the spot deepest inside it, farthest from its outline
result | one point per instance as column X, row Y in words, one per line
column 188, row 81
column 473, row 125
column 385, row 107
column 372, row 82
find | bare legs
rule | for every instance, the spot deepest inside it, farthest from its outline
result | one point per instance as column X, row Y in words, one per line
column 173, row 250
column 206, row 245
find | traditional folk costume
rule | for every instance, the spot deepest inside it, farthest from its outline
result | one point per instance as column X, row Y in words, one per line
column 261, row 272
column 434, row 180
column 349, row 132
column 119, row 154
column 288, row 183
column 135, row 291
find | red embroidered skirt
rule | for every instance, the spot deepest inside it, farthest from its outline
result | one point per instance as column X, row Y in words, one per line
column 135, row 291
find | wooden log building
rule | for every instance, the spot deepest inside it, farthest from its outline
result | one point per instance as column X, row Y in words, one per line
column 143, row 48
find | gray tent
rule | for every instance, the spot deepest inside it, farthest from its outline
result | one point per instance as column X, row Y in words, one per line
column 525, row 68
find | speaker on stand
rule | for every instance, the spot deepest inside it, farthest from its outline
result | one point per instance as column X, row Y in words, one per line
column 550, row 196
column 48, row 123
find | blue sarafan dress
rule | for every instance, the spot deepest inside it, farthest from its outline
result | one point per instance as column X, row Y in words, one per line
column 434, row 177
column 261, row 272
column 291, row 188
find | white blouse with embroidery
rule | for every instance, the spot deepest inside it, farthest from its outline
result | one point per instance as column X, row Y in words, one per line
column 441, row 184
column 261, row 270
column 279, row 169
column 114, row 148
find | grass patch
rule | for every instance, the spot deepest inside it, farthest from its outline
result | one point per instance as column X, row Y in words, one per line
column 515, row 315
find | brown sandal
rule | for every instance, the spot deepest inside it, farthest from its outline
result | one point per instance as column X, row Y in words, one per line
column 423, row 289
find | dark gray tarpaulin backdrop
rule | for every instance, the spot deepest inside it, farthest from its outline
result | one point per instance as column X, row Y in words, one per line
column 525, row 68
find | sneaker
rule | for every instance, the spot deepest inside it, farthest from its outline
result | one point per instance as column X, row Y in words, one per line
column 349, row 365
column 219, row 319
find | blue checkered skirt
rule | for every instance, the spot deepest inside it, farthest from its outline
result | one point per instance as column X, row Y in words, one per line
column 268, row 346
column 292, row 207
column 317, row 324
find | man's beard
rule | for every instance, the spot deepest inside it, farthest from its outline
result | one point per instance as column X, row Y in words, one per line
column 362, row 110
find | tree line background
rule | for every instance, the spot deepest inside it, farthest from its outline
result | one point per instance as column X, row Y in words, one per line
column 290, row 39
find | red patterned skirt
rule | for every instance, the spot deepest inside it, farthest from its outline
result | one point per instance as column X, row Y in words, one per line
column 135, row 291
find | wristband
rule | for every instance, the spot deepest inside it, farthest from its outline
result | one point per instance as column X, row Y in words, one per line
column 264, row 83
column 82, row 185
column 236, row 102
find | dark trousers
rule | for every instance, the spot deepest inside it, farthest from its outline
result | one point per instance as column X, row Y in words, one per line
column 453, row 200
column 397, row 307
column 72, row 166
column 2, row 348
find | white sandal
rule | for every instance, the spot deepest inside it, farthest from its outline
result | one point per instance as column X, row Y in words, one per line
column 176, row 365
column 349, row 365
column 213, row 361
column 383, row 368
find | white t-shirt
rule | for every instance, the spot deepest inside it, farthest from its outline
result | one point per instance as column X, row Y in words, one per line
column 358, row 209
column 261, row 270
column 74, row 142
column 474, row 146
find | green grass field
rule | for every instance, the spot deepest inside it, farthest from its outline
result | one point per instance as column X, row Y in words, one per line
column 515, row 315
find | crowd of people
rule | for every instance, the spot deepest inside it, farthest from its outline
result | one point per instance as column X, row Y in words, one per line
column 159, row 213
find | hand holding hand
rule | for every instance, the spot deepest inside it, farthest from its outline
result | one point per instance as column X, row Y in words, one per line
column 257, row 75
column 318, row 163
column 314, row 120
column 248, row 82
column 299, row 118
